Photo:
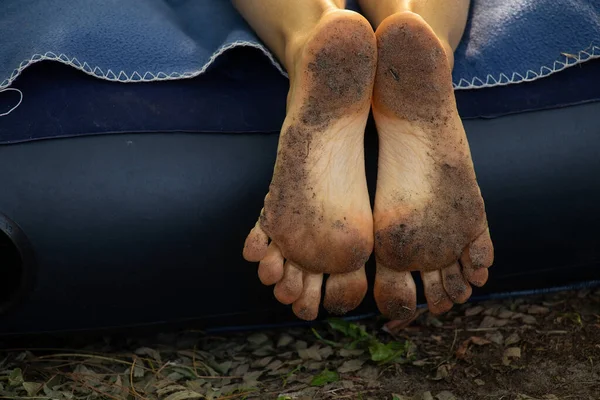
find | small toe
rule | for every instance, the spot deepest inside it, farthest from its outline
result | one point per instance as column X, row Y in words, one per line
column 255, row 247
column 395, row 293
column 344, row 292
column 289, row 288
column 481, row 251
column 307, row 306
column 477, row 258
column 437, row 298
column 476, row 276
column 270, row 269
column 457, row 287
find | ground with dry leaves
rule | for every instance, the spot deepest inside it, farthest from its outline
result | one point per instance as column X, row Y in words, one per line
column 543, row 347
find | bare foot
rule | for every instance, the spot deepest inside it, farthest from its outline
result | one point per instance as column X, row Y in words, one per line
column 429, row 214
column 317, row 212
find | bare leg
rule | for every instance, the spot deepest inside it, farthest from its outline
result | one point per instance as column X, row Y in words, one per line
column 284, row 25
column 446, row 18
column 317, row 213
column 429, row 215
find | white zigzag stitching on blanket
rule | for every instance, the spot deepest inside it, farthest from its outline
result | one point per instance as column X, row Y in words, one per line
column 590, row 53
column 570, row 60
column 135, row 76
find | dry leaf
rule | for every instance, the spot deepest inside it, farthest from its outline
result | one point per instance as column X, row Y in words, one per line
column 170, row 389
column 427, row 396
column 442, row 372
column 445, row 395
column 512, row 339
column 350, row 366
column 325, row 352
column 505, row 314
column 196, row 385
column 261, row 363
column 225, row 366
column 32, row 388
column 529, row 319
column 495, row 337
column 351, row 353
column 472, row 372
column 301, row 344
column 240, row 370
column 147, row 351
column 479, row 341
column 264, row 350
column 510, row 354
column 284, row 340
column 251, row 378
column 493, row 310
column 119, row 388
column 538, row 310
column 315, row 365
column 346, row 384
column 488, row 322
column 183, row 395
column 312, row 353
column 471, row 312
column 257, row 339
column 461, row 352
column 275, row 365
column 369, row 373
column 432, row 321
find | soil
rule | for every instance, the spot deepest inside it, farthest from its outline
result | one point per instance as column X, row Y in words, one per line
column 540, row 347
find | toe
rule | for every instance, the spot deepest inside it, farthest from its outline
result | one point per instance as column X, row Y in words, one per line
column 255, row 247
column 437, row 298
column 477, row 277
column 395, row 293
column 270, row 269
column 344, row 292
column 307, row 306
column 289, row 288
column 477, row 258
column 457, row 287
column 481, row 251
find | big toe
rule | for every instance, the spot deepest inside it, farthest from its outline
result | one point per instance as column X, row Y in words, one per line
column 344, row 292
column 395, row 293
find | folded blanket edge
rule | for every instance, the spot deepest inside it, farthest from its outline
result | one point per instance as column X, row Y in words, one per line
column 459, row 83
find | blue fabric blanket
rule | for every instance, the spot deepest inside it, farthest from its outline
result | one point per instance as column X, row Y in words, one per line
column 505, row 42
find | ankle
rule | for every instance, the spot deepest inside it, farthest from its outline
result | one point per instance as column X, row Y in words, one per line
column 296, row 38
column 449, row 51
